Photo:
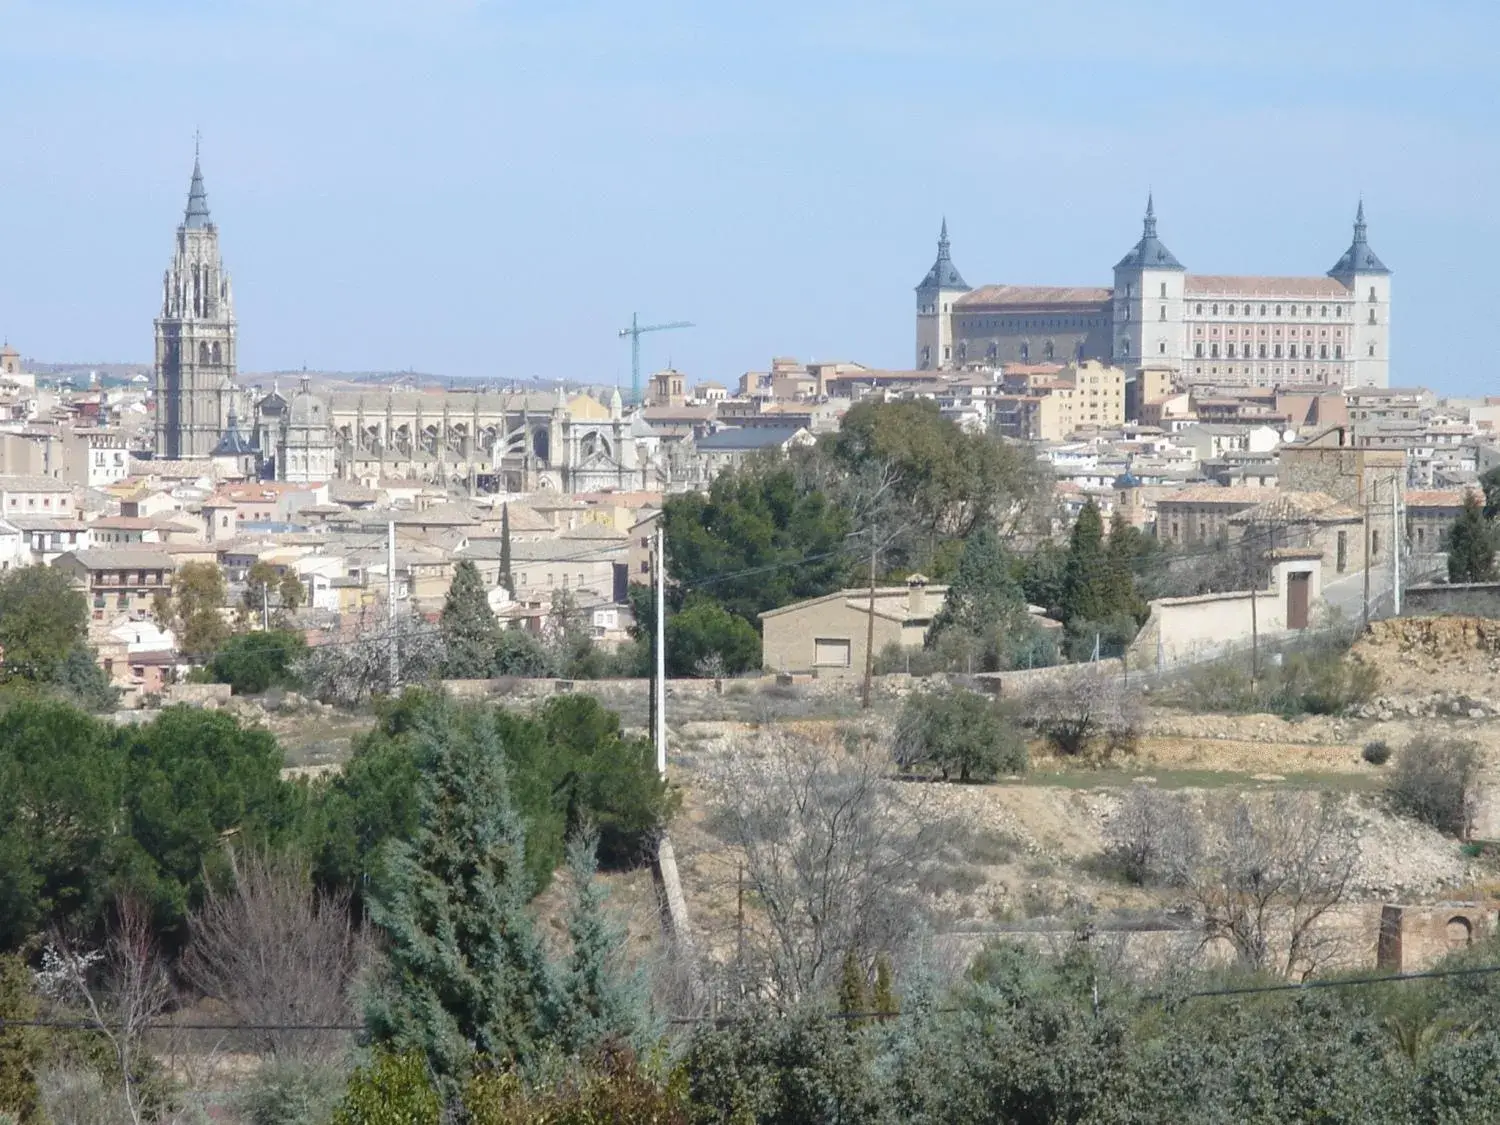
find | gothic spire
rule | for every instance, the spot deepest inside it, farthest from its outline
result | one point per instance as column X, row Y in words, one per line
column 1359, row 258
column 196, row 216
column 1149, row 253
column 943, row 274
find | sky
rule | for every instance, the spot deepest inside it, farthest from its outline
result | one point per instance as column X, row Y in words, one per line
column 488, row 188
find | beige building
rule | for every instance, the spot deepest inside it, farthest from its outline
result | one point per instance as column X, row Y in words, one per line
column 1201, row 514
column 1098, row 394
column 826, row 636
column 1329, row 462
column 1305, row 521
column 1429, row 515
column 118, row 582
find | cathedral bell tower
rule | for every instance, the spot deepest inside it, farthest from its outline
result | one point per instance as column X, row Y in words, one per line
column 195, row 337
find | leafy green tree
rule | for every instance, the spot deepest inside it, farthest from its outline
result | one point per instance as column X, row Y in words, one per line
column 42, row 620
column 62, row 784
column 194, row 777
column 1470, row 544
column 704, row 638
column 1125, row 555
column 23, row 1048
column 464, row 972
column 985, row 607
column 82, row 680
column 853, row 995
column 950, row 482
column 1489, row 481
column 250, row 663
column 257, row 601
column 603, row 1001
column 470, row 631
column 521, row 653
column 198, row 594
column 959, row 733
column 765, row 535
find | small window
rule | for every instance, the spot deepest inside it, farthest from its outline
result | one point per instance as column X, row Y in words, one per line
column 1343, row 551
column 1163, row 288
column 1216, row 310
column 1374, row 544
column 1292, row 310
column 1338, row 311
column 1372, row 294
column 1262, row 351
column 1161, row 348
column 1338, row 351
column 1263, row 310
column 1200, row 310
column 1372, row 350
column 1372, row 316
column 1213, row 351
column 1164, row 312
column 1198, row 349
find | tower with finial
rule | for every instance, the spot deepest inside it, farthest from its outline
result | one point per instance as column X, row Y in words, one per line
column 195, row 335
column 1361, row 271
column 1147, row 304
column 936, row 296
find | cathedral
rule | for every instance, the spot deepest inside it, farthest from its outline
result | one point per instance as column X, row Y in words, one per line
column 468, row 440
column 1330, row 330
column 195, row 337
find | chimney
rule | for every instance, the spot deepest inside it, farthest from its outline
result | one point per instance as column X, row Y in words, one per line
column 916, row 597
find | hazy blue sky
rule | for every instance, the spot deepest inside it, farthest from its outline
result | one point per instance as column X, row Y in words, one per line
column 491, row 188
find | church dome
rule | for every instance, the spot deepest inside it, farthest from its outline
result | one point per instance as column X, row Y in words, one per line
column 306, row 408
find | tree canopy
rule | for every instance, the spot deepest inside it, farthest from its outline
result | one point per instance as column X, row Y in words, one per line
column 1471, row 544
column 42, row 619
column 470, row 630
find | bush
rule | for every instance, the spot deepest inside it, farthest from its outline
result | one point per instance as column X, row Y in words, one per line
column 284, row 1093
column 1436, row 781
column 1320, row 681
column 616, row 1093
column 252, row 662
column 392, row 1090
column 1085, row 714
column 1377, row 753
column 958, row 732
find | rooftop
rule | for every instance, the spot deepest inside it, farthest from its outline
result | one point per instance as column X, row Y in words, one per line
column 1032, row 296
column 1229, row 285
column 123, row 558
column 1244, row 496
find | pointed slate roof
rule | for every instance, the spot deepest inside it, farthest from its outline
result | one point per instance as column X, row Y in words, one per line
column 1359, row 258
column 943, row 274
column 1149, row 253
column 196, row 216
column 232, row 444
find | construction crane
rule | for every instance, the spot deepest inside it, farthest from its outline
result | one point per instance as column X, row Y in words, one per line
column 635, row 332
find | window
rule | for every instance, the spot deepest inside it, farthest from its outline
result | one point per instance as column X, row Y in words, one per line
column 1229, row 350
column 1309, row 310
column 1324, row 311
column 1322, row 351
column 1338, row 311
column 1292, row 310
column 1278, row 310
column 947, row 352
column 1338, row 351
column 1263, row 310
column 1372, row 294
column 1276, row 352
column 1374, row 544
column 1262, row 351
column 1307, row 351
column 1198, row 349
column 1163, row 288
column 1214, row 351
column 1372, row 316
column 1200, row 310
column 1164, row 312
column 1216, row 310
column 1161, row 348
column 1127, row 312
column 1343, row 551
column 1372, row 350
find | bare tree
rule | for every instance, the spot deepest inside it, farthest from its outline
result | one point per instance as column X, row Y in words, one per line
column 349, row 672
column 1085, row 713
column 1154, row 837
column 1271, row 875
column 831, row 853
column 121, row 990
column 277, row 953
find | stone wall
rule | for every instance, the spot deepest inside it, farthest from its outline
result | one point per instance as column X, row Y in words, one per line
column 196, row 695
column 1473, row 599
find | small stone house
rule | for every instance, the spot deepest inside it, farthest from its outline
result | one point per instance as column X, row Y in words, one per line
column 826, row 636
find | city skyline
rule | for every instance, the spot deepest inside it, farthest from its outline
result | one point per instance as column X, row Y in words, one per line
column 502, row 214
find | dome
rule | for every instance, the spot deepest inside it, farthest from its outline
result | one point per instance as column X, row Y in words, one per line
column 1127, row 479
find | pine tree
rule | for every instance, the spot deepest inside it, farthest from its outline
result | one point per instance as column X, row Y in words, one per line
column 506, row 578
column 470, row 631
column 464, row 971
column 602, row 1001
column 983, row 592
column 1471, row 544
column 1085, row 595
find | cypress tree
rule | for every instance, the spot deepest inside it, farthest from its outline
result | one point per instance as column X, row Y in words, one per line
column 602, row 1000
column 1471, row 544
column 983, row 592
column 884, row 999
column 470, row 631
column 1120, row 555
column 464, row 971
column 505, row 576
column 1085, row 595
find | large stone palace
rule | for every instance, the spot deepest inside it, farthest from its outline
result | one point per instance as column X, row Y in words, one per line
column 480, row 440
column 1331, row 330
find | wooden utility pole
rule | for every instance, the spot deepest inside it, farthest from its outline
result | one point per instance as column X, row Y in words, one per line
column 864, row 694
column 1367, row 559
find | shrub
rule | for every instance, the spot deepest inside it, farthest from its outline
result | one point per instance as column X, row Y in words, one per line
column 392, row 1090
column 958, row 732
column 1377, row 753
column 1436, row 781
column 284, row 1093
column 618, row 1092
column 252, row 662
column 1085, row 714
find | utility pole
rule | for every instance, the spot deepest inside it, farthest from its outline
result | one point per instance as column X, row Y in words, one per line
column 265, row 607
column 660, row 697
column 393, row 654
column 1367, row 559
column 1254, row 626
column 864, row 693
column 1396, row 540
